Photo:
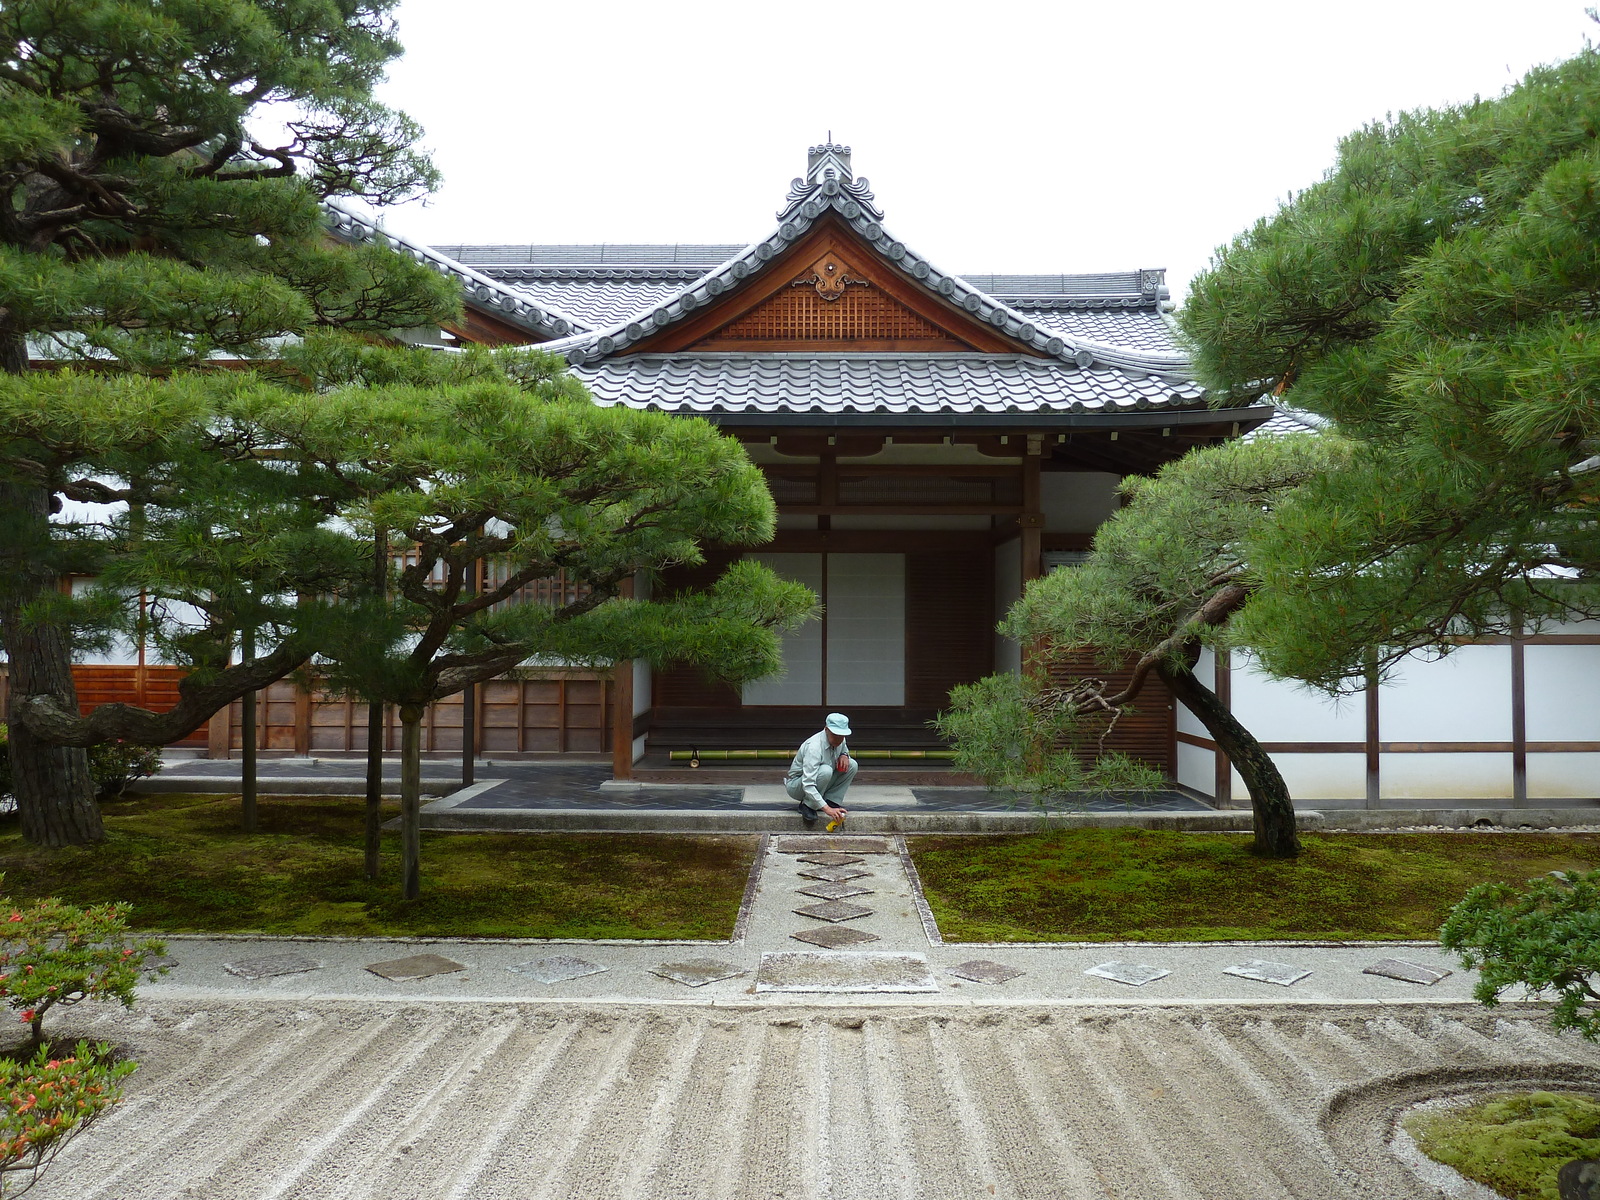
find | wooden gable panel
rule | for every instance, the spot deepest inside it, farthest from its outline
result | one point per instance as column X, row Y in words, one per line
column 800, row 314
column 829, row 291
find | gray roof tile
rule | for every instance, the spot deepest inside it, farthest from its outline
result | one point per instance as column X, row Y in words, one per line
column 873, row 383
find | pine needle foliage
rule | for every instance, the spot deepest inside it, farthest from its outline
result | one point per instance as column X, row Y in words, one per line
column 1434, row 297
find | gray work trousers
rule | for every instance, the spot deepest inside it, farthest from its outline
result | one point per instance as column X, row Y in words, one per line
column 832, row 784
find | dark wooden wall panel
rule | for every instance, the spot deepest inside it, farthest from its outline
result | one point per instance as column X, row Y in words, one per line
column 949, row 624
column 688, row 687
column 1148, row 733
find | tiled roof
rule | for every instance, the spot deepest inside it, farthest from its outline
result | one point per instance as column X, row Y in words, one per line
column 614, row 254
column 1137, row 329
column 830, row 185
column 1285, row 421
column 875, row 383
column 542, row 320
column 595, row 303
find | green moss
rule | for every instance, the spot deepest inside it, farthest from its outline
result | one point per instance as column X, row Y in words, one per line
column 1149, row 885
column 1513, row 1143
column 187, row 868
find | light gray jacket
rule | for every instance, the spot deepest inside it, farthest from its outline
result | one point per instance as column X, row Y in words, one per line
column 813, row 755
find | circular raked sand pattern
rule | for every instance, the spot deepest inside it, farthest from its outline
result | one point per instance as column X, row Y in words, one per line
column 364, row 1099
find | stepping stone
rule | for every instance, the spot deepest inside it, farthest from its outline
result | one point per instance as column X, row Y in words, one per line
column 272, row 964
column 1282, row 974
column 557, row 969
column 809, row 843
column 1406, row 972
column 832, row 860
column 981, row 970
column 1132, row 974
column 860, row 971
column 834, row 910
column 834, row 891
column 418, row 966
column 834, row 874
column 156, row 963
column 831, row 937
column 697, row 972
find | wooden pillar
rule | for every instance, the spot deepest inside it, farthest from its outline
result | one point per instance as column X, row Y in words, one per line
column 621, row 712
column 1374, row 746
column 1519, row 719
column 1031, row 519
column 219, row 733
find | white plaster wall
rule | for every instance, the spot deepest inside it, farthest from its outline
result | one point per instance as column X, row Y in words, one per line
column 1463, row 698
column 1076, row 501
column 1563, row 776
column 1563, row 694
column 642, row 680
column 1485, row 776
column 1279, row 711
column 1315, row 777
column 1197, row 768
column 1007, row 591
column 866, row 629
column 801, row 682
column 1205, row 671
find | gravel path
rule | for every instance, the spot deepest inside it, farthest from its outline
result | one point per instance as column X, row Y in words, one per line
column 254, row 1099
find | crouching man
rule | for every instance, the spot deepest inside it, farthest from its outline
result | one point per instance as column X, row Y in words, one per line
column 822, row 771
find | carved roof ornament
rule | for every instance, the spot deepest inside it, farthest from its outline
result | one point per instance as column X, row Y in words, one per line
column 829, row 278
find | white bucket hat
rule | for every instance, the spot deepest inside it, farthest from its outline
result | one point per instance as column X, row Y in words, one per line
column 838, row 723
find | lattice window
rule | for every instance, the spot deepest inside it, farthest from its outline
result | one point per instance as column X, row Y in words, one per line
column 793, row 490
column 799, row 314
column 923, row 489
column 555, row 592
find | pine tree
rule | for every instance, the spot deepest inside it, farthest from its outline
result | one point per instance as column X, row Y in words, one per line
column 150, row 224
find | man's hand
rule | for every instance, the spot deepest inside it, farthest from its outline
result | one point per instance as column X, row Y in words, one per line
column 842, row 763
column 835, row 813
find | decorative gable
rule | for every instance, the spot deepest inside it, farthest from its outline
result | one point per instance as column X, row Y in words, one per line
column 858, row 313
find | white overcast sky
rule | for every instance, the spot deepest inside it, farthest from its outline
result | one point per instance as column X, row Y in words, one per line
column 1005, row 137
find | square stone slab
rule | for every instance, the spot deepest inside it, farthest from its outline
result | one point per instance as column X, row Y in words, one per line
column 826, row 859
column 557, row 969
column 859, row 971
column 848, row 845
column 834, row 874
column 1282, row 974
column 981, row 970
column 834, row 910
column 418, row 966
column 697, row 972
column 157, row 963
column 831, row 937
column 1132, row 974
column 272, row 964
column 1406, row 972
column 834, row 891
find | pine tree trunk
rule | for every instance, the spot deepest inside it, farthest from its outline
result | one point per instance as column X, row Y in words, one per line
column 374, row 815
column 410, row 801
column 1270, row 803
column 55, row 795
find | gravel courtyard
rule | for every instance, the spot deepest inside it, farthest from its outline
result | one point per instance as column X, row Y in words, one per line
column 254, row 1099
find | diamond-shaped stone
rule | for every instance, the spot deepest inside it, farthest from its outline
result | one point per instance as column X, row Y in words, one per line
column 831, row 937
column 557, row 969
column 1406, row 972
column 831, row 859
column 271, row 964
column 812, row 843
column 981, row 970
column 834, row 910
column 802, row 971
column 835, row 891
column 418, row 966
column 1132, row 974
column 1282, row 974
column 834, row 874
column 697, row 972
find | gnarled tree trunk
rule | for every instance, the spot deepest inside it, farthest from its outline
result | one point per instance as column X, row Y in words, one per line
column 410, row 801
column 55, row 795
column 1270, row 803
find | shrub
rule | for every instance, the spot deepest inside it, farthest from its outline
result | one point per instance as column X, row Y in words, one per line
column 112, row 766
column 55, row 954
column 45, row 1100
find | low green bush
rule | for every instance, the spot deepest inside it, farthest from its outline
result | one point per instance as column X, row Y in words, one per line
column 47, row 1098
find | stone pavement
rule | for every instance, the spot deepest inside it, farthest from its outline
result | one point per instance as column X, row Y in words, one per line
column 830, row 920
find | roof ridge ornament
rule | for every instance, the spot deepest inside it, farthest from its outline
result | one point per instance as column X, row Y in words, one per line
column 829, row 180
